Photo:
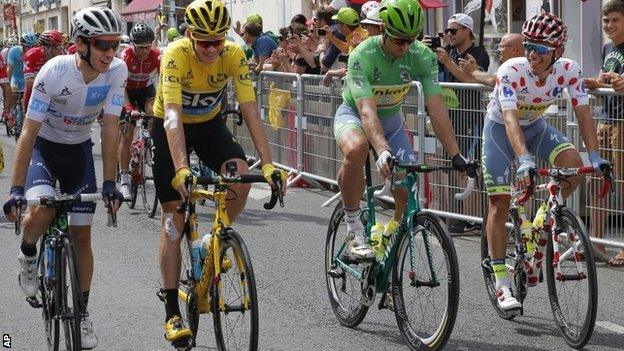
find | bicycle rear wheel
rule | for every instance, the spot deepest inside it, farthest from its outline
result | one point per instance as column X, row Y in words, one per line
column 134, row 189
column 344, row 289
column 69, row 294
column 186, row 295
column 48, row 310
column 573, row 292
column 425, row 284
column 148, row 193
column 234, row 300
column 488, row 273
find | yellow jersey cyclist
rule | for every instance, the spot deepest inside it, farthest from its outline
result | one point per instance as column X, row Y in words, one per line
column 194, row 73
column 525, row 87
column 379, row 76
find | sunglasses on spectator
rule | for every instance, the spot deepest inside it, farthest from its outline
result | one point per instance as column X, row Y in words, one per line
column 205, row 44
column 451, row 31
column 143, row 47
column 104, row 45
column 539, row 49
column 401, row 41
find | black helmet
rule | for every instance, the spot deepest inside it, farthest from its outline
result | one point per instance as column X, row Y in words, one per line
column 141, row 33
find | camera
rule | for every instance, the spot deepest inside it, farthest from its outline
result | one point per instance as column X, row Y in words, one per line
column 436, row 42
column 321, row 32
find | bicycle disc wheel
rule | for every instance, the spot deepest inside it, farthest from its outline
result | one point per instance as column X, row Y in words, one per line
column 425, row 284
column 69, row 295
column 344, row 289
column 48, row 310
column 488, row 273
column 574, row 292
column 234, row 300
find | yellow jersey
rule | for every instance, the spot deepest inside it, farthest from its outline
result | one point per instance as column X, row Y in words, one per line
column 199, row 87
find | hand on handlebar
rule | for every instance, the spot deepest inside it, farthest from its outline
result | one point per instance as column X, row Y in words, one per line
column 459, row 162
column 597, row 162
column 383, row 163
column 15, row 200
column 179, row 181
column 111, row 196
column 525, row 170
column 269, row 172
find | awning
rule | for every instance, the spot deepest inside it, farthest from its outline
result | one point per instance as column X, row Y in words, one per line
column 428, row 4
column 140, row 10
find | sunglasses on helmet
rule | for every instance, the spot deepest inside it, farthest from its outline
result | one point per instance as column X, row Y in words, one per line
column 539, row 49
column 104, row 45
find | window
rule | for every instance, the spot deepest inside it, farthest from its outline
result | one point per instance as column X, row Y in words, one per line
column 53, row 23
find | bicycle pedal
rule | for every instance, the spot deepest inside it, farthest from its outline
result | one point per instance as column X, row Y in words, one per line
column 34, row 302
column 182, row 345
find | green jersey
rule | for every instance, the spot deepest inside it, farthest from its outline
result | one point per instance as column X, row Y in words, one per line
column 372, row 73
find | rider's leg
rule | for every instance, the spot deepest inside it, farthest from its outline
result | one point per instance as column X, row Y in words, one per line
column 569, row 158
column 125, row 144
column 81, row 237
column 354, row 147
column 237, row 194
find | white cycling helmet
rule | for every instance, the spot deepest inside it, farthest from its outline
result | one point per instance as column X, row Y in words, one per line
column 125, row 39
column 93, row 21
column 369, row 6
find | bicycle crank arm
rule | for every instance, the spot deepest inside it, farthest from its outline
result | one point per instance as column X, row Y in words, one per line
column 34, row 302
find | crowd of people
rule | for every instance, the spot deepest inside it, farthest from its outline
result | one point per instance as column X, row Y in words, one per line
column 69, row 81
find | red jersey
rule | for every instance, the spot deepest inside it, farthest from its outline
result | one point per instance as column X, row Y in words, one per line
column 3, row 74
column 140, row 72
column 71, row 49
column 34, row 59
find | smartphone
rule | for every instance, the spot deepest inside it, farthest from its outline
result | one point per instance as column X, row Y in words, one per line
column 343, row 58
column 321, row 32
column 435, row 42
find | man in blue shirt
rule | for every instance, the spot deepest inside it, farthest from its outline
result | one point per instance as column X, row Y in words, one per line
column 15, row 61
column 261, row 44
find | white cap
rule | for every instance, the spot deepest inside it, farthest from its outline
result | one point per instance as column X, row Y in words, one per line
column 372, row 17
column 463, row 19
column 368, row 6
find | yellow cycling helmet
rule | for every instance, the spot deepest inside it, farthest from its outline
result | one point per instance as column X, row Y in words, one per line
column 207, row 17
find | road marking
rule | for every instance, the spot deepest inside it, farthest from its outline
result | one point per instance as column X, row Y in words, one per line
column 611, row 326
column 259, row 194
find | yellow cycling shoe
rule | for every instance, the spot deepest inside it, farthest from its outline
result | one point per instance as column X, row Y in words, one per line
column 176, row 331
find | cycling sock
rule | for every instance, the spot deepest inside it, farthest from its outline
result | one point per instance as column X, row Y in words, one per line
column 500, row 272
column 125, row 177
column 172, row 308
column 28, row 249
column 352, row 217
column 85, row 298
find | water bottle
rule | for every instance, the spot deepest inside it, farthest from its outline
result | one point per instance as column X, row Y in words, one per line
column 205, row 246
column 196, row 258
column 49, row 260
column 376, row 240
column 526, row 229
column 540, row 217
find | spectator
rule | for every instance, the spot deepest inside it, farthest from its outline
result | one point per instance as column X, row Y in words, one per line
column 303, row 47
column 333, row 6
column 349, row 25
column 371, row 22
column 261, row 44
column 611, row 126
column 299, row 18
column 329, row 52
column 468, row 119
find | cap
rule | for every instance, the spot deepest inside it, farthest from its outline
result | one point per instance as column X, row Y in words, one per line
column 372, row 17
column 347, row 16
column 254, row 18
column 463, row 19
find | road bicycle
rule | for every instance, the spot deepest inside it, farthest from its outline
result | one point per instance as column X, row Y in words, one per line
column 18, row 115
column 59, row 296
column 218, row 277
column 570, row 266
column 418, row 275
column 9, row 123
column 141, row 163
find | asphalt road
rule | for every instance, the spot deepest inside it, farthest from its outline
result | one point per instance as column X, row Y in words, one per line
column 287, row 248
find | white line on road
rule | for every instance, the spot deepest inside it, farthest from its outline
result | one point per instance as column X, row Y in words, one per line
column 611, row 326
column 259, row 194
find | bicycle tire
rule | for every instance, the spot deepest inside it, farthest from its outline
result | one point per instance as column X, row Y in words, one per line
column 575, row 335
column 134, row 189
column 417, row 328
column 241, row 272
column 190, row 315
column 48, row 305
column 351, row 315
column 148, row 180
column 70, row 315
column 488, row 275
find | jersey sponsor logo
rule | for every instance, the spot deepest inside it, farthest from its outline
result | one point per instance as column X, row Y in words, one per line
column 388, row 96
column 65, row 92
column 40, row 87
column 356, row 65
column 172, row 79
column 243, row 62
column 507, row 92
column 376, row 74
column 95, row 95
column 200, row 103
column 58, row 101
column 38, row 105
column 245, row 78
column 171, row 64
column 405, row 75
column 117, row 100
column 60, row 69
column 556, row 91
column 216, row 80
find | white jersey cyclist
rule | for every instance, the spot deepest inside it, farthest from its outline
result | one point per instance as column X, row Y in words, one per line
column 67, row 106
column 518, row 89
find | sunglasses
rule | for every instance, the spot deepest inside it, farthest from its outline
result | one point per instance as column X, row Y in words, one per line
column 539, row 49
column 143, row 47
column 205, row 44
column 451, row 31
column 400, row 41
column 104, row 45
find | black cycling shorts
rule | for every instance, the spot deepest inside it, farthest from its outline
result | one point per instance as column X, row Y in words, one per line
column 212, row 141
column 138, row 97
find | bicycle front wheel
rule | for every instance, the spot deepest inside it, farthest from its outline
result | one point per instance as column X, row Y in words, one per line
column 425, row 284
column 572, row 285
column 69, row 295
column 234, row 299
column 343, row 288
column 48, row 304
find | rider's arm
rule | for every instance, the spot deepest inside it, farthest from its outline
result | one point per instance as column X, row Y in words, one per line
column 251, row 115
column 587, row 127
column 442, row 123
column 23, row 150
column 370, row 122
column 175, row 135
column 514, row 132
column 110, row 120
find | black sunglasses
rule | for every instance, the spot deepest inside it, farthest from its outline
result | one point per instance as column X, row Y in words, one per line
column 401, row 41
column 104, row 45
column 205, row 44
column 453, row 31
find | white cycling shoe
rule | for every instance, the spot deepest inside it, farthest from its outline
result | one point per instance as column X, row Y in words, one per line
column 357, row 247
column 87, row 335
column 28, row 280
column 124, row 189
column 506, row 301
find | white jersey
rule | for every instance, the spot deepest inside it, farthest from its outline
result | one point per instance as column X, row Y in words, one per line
column 67, row 106
column 518, row 89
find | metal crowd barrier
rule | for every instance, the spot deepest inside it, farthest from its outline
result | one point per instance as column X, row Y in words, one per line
column 298, row 112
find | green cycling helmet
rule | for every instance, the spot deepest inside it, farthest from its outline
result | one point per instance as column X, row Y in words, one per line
column 172, row 33
column 402, row 18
